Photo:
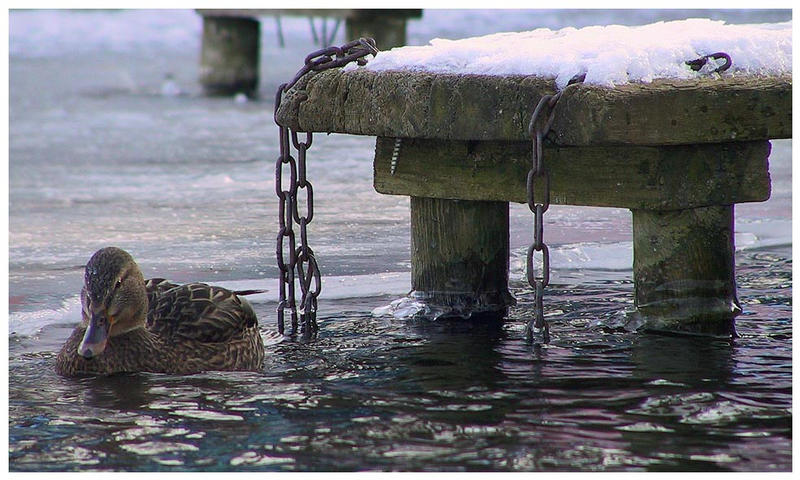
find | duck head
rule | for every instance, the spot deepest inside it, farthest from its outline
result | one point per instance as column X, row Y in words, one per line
column 113, row 297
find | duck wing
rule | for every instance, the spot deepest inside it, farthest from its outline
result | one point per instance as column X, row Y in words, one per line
column 155, row 287
column 199, row 312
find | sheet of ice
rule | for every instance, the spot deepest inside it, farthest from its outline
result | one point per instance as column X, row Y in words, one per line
column 48, row 33
column 334, row 286
column 609, row 55
column 29, row 323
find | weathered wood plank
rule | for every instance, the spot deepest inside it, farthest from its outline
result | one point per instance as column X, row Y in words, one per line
column 636, row 177
column 672, row 112
column 479, row 107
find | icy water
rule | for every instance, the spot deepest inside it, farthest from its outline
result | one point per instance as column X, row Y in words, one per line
column 99, row 156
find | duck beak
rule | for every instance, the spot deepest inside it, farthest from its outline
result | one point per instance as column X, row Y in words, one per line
column 94, row 340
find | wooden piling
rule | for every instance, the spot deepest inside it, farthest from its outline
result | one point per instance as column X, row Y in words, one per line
column 459, row 256
column 387, row 27
column 229, row 59
column 683, row 270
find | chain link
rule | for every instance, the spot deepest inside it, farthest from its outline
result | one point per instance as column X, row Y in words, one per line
column 333, row 57
column 302, row 264
column 538, row 131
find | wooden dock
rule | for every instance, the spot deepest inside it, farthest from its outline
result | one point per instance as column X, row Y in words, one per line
column 678, row 154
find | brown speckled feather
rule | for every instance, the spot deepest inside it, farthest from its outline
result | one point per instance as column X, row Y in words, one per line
column 201, row 313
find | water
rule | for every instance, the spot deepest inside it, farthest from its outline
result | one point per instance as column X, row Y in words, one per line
column 99, row 156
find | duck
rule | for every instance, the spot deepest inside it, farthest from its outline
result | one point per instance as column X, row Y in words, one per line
column 129, row 324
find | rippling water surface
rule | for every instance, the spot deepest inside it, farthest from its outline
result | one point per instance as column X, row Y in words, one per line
column 98, row 156
column 375, row 393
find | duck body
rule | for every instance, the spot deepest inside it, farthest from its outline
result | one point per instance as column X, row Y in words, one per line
column 133, row 325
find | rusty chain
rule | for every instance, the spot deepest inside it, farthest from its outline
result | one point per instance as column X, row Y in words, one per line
column 302, row 263
column 333, row 57
column 538, row 131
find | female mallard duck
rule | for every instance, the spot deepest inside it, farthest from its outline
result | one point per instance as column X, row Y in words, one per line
column 133, row 325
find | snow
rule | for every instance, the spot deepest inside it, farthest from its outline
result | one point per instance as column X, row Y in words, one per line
column 609, row 55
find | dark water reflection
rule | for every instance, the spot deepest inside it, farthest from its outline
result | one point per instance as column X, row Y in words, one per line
column 380, row 394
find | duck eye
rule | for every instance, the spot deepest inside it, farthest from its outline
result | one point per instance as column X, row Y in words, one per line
column 118, row 284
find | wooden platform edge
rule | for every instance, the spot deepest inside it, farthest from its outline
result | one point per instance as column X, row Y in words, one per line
column 480, row 107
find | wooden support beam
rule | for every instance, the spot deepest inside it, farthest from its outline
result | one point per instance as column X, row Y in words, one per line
column 635, row 177
column 411, row 104
column 459, row 256
column 684, row 270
